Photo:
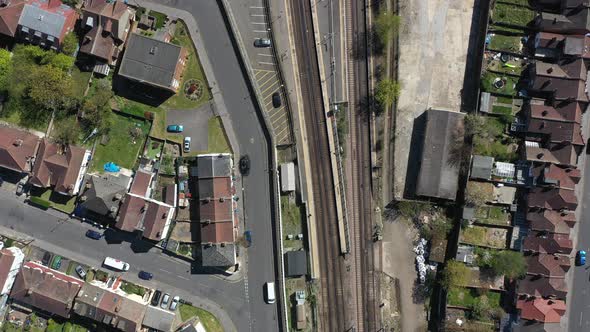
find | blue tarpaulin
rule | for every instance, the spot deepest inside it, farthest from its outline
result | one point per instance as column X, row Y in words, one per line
column 111, row 167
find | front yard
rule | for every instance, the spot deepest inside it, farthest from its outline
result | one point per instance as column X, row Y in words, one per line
column 57, row 201
column 210, row 322
column 122, row 144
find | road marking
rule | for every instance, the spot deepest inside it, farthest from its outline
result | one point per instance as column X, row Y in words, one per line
column 270, row 78
column 274, row 85
column 181, row 277
column 264, row 54
column 257, row 7
column 266, row 63
column 261, row 31
column 264, row 73
column 258, row 15
column 165, row 271
column 581, row 314
column 258, row 23
column 269, row 82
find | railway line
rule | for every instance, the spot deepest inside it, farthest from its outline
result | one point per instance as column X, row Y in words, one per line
column 332, row 310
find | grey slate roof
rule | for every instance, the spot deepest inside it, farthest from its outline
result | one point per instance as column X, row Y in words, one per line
column 100, row 197
column 481, row 167
column 296, row 262
column 158, row 319
column 50, row 23
column 217, row 255
column 465, row 254
column 150, row 60
column 438, row 177
column 214, row 165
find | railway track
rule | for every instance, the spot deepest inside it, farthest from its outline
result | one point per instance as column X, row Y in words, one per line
column 330, row 300
column 361, row 203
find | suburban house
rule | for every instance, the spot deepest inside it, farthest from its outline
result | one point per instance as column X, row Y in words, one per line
column 543, row 243
column 156, row 319
column 560, row 5
column 218, row 223
column 109, row 308
column 141, row 183
column 550, row 221
column 106, row 25
column 554, row 131
column 17, row 149
column 61, row 168
column 563, row 153
column 39, row 22
column 558, row 89
column 102, row 194
column 548, row 265
column 45, row 289
column 566, row 112
column 11, row 260
column 535, row 286
column 153, row 62
column 568, row 21
column 552, row 198
column 551, row 175
column 541, row 310
column 571, row 69
column 439, row 176
column 147, row 215
column 557, row 46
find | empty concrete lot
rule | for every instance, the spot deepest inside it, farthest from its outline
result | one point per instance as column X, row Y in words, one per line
column 433, row 47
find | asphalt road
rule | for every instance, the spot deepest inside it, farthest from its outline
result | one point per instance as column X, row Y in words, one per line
column 240, row 105
column 66, row 237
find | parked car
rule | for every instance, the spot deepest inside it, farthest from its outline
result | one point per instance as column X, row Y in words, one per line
column 262, row 42
column 80, row 272
column 145, row 275
column 156, row 298
column 187, row 144
column 46, row 258
column 56, row 263
column 175, row 128
column 581, row 258
column 165, row 300
column 245, row 165
column 93, row 234
column 276, row 100
column 20, row 188
column 248, row 238
column 174, row 302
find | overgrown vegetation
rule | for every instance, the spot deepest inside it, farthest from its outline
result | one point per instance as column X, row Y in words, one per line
column 489, row 138
column 455, row 274
column 386, row 26
column 478, row 193
column 503, row 262
column 386, row 92
column 130, row 288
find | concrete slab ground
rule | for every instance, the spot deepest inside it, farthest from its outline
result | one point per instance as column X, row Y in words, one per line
column 433, row 46
column 195, row 122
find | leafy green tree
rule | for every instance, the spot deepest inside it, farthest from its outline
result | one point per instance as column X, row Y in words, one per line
column 386, row 92
column 455, row 274
column 4, row 69
column 97, row 110
column 51, row 88
column 386, row 26
column 509, row 263
column 66, row 131
column 69, row 44
column 480, row 308
column 61, row 61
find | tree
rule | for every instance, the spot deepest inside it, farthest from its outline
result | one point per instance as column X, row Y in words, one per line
column 386, row 92
column 439, row 226
column 455, row 274
column 97, row 110
column 509, row 263
column 4, row 69
column 66, row 131
column 59, row 60
column 69, row 44
column 386, row 26
column 50, row 88
column 480, row 308
column 474, row 125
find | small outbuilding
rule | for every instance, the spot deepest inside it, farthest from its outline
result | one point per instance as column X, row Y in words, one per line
column 288, row 177
column 296, row 262
column 481, row 167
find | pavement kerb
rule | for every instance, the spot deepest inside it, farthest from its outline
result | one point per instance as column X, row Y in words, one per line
column 338, row 187
column 290, row 67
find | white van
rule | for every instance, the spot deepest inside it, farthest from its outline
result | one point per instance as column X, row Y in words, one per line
column 269, row 289
column 116, row 264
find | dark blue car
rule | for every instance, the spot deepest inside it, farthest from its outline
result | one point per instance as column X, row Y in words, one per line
column 145, row 275
column 93, row 234
column 581, row 258
column 248, row 238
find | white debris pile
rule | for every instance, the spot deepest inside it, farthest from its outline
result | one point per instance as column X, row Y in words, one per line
column 420, row 250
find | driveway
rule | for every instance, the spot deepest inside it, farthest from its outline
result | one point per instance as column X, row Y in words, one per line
column 195, row 124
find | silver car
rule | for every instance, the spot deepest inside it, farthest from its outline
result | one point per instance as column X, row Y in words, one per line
column 80, row 272
column 187, row 144
column 165, row 300
column 174, row 303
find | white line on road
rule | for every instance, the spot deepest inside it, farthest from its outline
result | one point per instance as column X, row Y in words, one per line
column 264, row 54
column 256, row 7
column 258, row 15
column 181, row 277
column 258, row 23
column 266, row 63
column 165, row 271
column 260, row 31
column 581, row 314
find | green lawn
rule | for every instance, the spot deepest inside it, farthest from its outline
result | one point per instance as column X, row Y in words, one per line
column 58, row 201
column 81, row 79
column 516, row 2
column 120, row 148
column 502, row 110
column 160, row 18
column 513, row 66
column 292, row 222
column 193, row 70
column 130, row 288
column 494, row 215
column 510, row 14
column 466, row 297
column 504, row 100
column 20, row 114
column 509, row 87
column 484, row 236
column 210, row 323
column 506, row 43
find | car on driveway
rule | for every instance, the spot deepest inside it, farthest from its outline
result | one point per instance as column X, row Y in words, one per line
column 187, row 144
column 93, row 234
column 145, row 275
column 165, row 301
column 581, row 258
column 156, row 298
column 20, row 188
column 56, row 263
column 245, row 165
column 262, row 42
column 80, row 271
column 276, row 100
column 175, row 128
column 46, row 258
column 174, row 302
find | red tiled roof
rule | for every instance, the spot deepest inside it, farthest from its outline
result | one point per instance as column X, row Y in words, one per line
column 557, row 131
column 98, row 44
column 45, row 289
column 558, row 176
column 55, row 168
column 560, row 88
column 564, row 112
column 533, row 285
column 120, row 312
column 568, row 69
column 9, row 16
column 141, row 183
column 552, row 198
column 17, row 148
column 548, row 265
column 548, row 311
column 548, row 243
column 548, row 39
column 6, row 260
column 561, row 154
column 130, row 213
column 217, row 232
column 155, row 220
column 215, row 210
column 551, row 221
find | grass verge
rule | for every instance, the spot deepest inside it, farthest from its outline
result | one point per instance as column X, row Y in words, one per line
column 210, row 322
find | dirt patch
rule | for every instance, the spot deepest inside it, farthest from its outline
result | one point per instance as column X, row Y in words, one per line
column 182, row 232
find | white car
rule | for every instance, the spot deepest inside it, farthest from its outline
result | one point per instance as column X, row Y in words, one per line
column 187, row 144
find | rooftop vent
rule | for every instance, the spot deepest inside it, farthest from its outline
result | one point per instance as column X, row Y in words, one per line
column 18, row 142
